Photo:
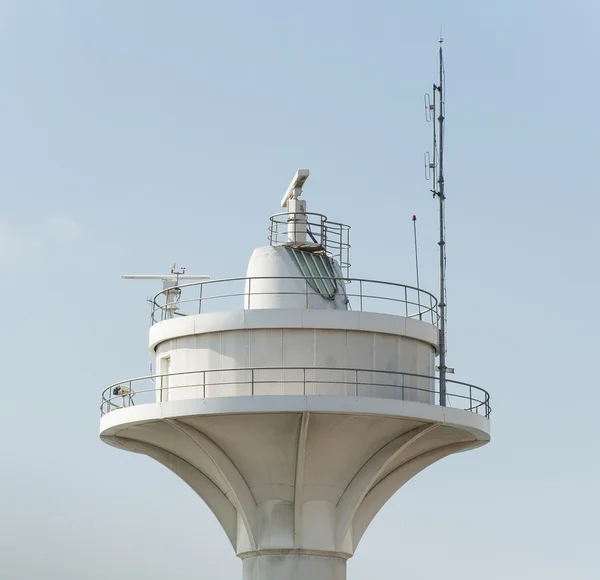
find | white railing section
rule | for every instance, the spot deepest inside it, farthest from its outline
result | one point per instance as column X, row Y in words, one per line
column 234, row 293
column 305, row 381
column 333, row 237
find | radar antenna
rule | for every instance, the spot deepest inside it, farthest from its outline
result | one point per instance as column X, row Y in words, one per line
column 434, row 168
column 296, row 208
column 170, row 285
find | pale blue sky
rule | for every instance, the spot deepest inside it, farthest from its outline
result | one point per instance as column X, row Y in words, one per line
column 134, row 134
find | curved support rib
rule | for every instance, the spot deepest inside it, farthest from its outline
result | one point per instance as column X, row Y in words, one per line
column 214, row 498
column 242, row 496
column 391, row 483
column 368, row 474
column 299, row 478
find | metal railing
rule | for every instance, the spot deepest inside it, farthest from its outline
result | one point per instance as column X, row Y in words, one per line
column 333, row 237
column 359, row 294
column 305, row 381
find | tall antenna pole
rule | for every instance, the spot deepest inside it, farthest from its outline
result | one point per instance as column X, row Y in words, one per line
column 442, row 243
column 414, row 220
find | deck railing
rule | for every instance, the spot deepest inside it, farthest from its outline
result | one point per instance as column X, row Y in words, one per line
column 305, row 381
column 359, row 294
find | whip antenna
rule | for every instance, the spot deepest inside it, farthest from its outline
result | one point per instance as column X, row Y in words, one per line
column 414, row 220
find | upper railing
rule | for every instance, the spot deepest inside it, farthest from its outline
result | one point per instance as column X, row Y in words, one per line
column 333, row 237
column 305, row 381
column 235, row 293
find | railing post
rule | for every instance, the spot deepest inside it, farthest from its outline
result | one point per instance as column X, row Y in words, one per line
column 470, row 397
column 200, row 299
column 304, row 380
column 249, row 292
column 360, row 291
column 406, row 301
column 203, row 384
column 356, row 383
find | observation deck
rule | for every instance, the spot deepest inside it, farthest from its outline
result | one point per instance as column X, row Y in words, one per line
column 372, row 304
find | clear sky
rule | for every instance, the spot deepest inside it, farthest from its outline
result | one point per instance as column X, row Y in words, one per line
column 138, row 133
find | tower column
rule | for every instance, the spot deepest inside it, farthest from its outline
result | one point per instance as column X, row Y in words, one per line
column 294, row 565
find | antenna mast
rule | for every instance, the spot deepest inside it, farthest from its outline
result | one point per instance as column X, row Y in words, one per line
column 434, row 168
column 442, row 243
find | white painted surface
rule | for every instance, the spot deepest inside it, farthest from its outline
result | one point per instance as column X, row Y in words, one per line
column 297, row 471
column 285, row 348
column 281, row 293
column 297, row 221
column 301, row 473
column 294, row 189
column 112, row 423
column 293, row 318
column 383, row 344
column 294, row 566
column 163, row 382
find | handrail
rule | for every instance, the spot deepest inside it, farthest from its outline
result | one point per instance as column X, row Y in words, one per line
column 123, row 394
column 333, row 237
column 412, row 302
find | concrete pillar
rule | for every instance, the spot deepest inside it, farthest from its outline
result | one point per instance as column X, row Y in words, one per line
column 294, row 566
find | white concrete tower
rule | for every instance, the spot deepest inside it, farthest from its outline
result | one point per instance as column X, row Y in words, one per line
column 295, row 401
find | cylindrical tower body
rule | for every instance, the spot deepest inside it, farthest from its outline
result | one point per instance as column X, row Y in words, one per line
column 294, row 567
column 298, row 414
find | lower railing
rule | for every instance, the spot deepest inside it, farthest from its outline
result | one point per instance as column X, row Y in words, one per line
column 306, row 381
